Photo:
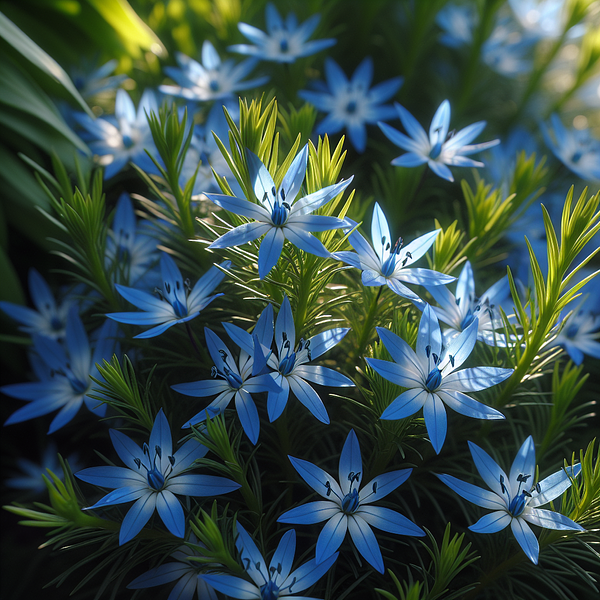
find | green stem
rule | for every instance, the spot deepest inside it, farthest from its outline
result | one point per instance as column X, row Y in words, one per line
column 366, row 331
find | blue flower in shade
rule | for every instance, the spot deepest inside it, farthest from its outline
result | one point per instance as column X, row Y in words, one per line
column 285, row 41
column 347, row 509
column 289, row 361
column 431, row 377
column 389, row 264
column 350, row 103
column 153, row 476
column 30, row 478
column 461, row 310
column 123, row 137
column 575, row 148
column 212, row 80
column 273, row 582
column 580, row 335
column 176, row 302
column 91, row 79
column 49, row 317
column 515, row 499
column 69, row 368
column 439, row 148
column 183, row 571
column 229, row 381
column 130, row 254
column 279, row 214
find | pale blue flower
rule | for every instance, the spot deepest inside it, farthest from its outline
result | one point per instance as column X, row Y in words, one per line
column 30, row 478
column 387, row 264
column 212, row 80
column 514, row 499
column 124, row 137
column 276, row 581
column 457, row 22
column 439, row 148
column 580, row 335
column 229, row 381
column 350, row 103
column 49, row 317
column 575, row 148
column 279, row 214
column 153, row 476
column 68, row 383
column 544, row 18
column 347, row 509
column 284, row 41
column 289, row 361
column 130, row 253
column 91, row 79
column 177, row 302
column 460, row 310
column 183, row 570
column 431, row 378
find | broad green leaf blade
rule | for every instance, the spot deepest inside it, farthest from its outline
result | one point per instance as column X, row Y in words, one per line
column 15, row 41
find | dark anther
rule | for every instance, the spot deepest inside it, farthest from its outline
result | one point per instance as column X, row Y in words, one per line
column 282, row 194
column 523, row 478
column 274, row 192
column 328, row 488
column 214, row 373
column 428, row 350
column 137, row 462
column 158, row 451
column 374, row 487
column 435, row 358
column 502, row 486
column 172, row 460
column 538, row 488
column 168, row 287
column 451, row 359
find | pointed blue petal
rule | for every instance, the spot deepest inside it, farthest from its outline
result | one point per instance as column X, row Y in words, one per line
column 526, row 539
column 492, row 522
column 171, row 513
column 308, row 397
column 305, row 241
column 389, row 520
column 554, row 485
column 365, row 541
column 489, row 470
column 308, row 574
column 164, row 573
column 465, row 405
column 242, row 234
column 110, row 477
column 460, row 349
column 550, row 520
column 284, row 325
column 127, row 449
column 473, row 493
column 429, row 338
column 438, row 130
column 524, row 463
column 435, row 421
column 263, row 182
column 310, row 513
column 331, row 536
column 235, row 587
column 323, row 376
column 122, row 495
column 379, row 487
column 317, row 478
column 283, row 557
column 294, row 176
column 400, row 351
column 270, row 251
column 240, row 206
column 161, row 436
column 406, row 404
column 200, row 389
column 350, row 466
column 276, row 401
column 320, row 343
column 248, row 415
column 380, row 233
column 201, row 485
column 475, row 378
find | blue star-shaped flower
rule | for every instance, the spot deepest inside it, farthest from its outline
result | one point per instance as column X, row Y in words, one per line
column 431, row 377
column 176, row 302
column 212, row 80
column 575, row 148
column 461, row 310
column 279, row 214
column 347, row 509
column 230, row 381
column 285, row 41
column 123, row 137
column 291, row 371
column 276, row 581
column 438, row 149
column 350, row 103
column 49, row 317
column 69, row 366
column 580, row 335
column 514, row 499
column 390, row 264
column 183, row 570
column 130, row 253
column 153, row 476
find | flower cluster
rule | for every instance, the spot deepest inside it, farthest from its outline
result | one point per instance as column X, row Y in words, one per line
column 277, row 383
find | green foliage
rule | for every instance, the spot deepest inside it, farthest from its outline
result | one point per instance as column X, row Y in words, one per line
column 552, row 294
column 447, row 561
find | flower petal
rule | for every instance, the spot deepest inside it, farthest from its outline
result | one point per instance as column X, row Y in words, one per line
column 350, row 467
column 554, row 485
column 331, row 536
column 320, row 481
column 310, row 513
column 171, row 513
column 492, row 522
column 365, row 541
column 490, row 471
column 550, row 520
column 270, row 251
column 473, row 493
column 526, row 539
column 389, row 520
column 465, row 405
column 309, row 398
column 379, row 487
column 406, row 404
column 137, row 516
